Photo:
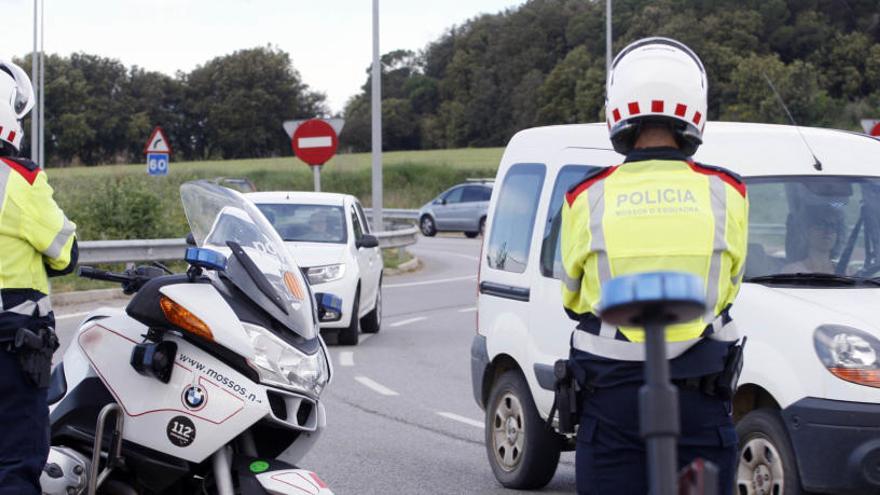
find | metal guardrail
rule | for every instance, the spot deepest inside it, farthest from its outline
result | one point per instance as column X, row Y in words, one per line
column 395, row 214
column 397, row 238
column 131, row 250
column 172, row 249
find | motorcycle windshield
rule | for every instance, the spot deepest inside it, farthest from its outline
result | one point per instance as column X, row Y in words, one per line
column 259, row 264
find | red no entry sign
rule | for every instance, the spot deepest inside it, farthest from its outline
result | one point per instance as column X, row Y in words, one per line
column 314, row 142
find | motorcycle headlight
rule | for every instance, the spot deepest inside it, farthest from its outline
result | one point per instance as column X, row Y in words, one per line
column 283, row 365
column 325, row 273
column 849, row 354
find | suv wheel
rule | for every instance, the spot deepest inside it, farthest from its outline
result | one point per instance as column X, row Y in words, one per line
column 426, row 225
column 471, row 235
column 349, row 335
column 522, row 453
column 372, row 321
column 766, row 463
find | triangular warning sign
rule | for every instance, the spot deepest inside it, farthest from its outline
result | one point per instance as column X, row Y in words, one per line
column 157, row 143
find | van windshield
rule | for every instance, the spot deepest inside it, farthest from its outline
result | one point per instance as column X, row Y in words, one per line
column 814, row 228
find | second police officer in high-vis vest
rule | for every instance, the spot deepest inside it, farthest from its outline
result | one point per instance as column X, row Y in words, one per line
column 657, row 211
column 36, row 241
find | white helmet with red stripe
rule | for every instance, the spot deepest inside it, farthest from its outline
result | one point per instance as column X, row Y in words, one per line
column 16, row 100
column 656, row 80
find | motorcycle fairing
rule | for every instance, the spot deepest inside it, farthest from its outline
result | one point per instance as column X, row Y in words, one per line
column 153, row 410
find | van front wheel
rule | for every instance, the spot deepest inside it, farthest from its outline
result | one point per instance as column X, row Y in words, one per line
column 522, row 453
column 766, row 463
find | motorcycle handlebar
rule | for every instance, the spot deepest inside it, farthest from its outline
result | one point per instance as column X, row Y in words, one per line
column 94, row 273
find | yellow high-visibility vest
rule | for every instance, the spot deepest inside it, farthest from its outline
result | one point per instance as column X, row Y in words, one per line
column 33, row 230
column 654, row 215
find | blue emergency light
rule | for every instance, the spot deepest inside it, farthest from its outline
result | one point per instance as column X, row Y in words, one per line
column 205, row 258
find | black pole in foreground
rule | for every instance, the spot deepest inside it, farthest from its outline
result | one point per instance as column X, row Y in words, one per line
column 658, row 413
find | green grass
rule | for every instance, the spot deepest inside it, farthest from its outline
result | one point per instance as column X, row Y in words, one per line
column 122, row 202
column 394, row 257
column 463, row 158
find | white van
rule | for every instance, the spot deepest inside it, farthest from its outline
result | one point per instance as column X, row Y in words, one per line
column 808, row 406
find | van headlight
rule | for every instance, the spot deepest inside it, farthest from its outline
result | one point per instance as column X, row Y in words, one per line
column 283, row 365
column 325, row 273
column 849, row 354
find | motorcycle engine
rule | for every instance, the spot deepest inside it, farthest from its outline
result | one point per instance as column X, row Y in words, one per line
column 66, row 472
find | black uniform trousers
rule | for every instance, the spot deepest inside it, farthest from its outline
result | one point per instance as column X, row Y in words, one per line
column 24, row 429
column 611, row 458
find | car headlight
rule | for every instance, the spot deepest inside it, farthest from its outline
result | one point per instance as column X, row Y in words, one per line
column 325, row 273
column 849, row 354
column 283, row 365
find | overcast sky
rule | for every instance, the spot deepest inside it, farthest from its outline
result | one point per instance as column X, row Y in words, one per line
column 329, row 40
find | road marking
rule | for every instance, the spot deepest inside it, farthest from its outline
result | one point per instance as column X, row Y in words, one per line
column 448, row 253
column 84, row 313
column 467, row 310
column 462, row 419
column 429, row 282
column 375, row 387
column 405, row 322
column 346, row 358
column 72, row 315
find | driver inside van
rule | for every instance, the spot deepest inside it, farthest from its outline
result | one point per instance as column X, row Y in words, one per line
column 818, row 241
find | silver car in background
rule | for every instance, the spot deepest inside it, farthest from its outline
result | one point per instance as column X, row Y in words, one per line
column 461, row 208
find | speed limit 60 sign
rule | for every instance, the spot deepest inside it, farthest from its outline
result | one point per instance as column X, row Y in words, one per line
column 157, row 164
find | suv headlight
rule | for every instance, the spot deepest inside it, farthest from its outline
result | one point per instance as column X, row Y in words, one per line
column 283, row 365
column 849, row 354
column 325, row 273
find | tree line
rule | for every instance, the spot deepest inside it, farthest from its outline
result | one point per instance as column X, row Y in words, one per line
column 544, row 63
column 98, row 111
column 480, row 82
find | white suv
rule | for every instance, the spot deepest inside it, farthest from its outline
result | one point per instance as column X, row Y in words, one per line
column 329, row 238
column 808, row 406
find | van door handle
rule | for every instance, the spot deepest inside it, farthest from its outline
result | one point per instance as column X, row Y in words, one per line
column 506, row 291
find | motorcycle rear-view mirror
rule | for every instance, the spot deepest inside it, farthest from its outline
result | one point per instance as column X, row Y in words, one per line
column 190, row 239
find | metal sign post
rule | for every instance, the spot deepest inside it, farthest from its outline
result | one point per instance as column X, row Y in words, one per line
column 317, row 173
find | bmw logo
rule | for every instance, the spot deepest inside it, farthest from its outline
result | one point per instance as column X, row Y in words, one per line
column 194, row 397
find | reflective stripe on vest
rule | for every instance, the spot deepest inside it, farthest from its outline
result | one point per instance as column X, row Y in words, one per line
column 622, row 350
column 40, row 307
column 719, row 245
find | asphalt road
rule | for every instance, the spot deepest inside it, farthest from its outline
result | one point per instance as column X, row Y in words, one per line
column 400, row 409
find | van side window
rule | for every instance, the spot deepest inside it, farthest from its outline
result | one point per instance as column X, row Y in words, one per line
column 551, row 256
column 514, row 219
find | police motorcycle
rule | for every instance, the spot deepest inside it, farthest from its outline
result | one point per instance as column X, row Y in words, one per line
column 205, row 378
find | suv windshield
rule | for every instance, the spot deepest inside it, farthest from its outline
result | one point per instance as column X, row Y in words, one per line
column 813, row 228
column 307, row 223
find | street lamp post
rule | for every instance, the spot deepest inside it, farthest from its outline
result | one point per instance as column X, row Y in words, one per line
column 377, row 123
column 35, row 130
column 607, row 38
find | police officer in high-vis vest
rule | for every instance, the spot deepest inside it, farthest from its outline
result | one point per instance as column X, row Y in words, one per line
column 658, row 211
column 36, row 241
